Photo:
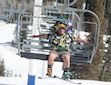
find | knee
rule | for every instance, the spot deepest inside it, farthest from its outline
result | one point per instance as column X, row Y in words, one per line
column 51, row 56
column 66, row 58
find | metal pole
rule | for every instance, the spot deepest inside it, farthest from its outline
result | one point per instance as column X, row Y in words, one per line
column 33, row 62
column 32, row 71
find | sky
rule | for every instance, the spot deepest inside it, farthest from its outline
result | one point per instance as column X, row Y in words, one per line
column 19, row 67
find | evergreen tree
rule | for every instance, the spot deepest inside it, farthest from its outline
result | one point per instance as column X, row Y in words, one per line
column 106, row 70
column 2, row 67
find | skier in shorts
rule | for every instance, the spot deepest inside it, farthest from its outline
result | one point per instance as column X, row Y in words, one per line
column 60, row 47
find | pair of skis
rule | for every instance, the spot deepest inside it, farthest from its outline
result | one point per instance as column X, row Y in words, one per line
column 68, row 80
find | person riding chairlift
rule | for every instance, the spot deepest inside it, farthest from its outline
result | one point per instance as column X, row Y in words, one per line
column 69, row 28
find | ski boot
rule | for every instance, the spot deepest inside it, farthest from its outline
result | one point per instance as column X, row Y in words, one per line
column 49, row 72
column 66, row 76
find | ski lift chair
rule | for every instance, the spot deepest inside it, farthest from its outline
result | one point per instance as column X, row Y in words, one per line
column 5, row 5
column 38, row 49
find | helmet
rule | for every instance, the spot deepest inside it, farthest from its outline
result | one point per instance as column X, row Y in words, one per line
column 69, row 24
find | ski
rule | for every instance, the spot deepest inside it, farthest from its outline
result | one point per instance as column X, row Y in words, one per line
column 69, row 80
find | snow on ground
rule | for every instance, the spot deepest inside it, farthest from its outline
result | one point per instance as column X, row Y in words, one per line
column 20, row 66
column 9, row 54
column 6, row 32
column 48, row 81
column 13, row 62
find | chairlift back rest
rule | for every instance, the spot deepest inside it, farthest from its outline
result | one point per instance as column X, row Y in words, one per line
column 4, row 17
column 11, row 11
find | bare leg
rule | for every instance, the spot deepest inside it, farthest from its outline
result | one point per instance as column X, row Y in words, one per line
column 66, row 66
column 51, row 59
column 66, row 59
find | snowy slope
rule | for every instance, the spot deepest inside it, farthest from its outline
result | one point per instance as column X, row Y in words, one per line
column 13, row 62
column 48, row 81
column 20, row 66
column 8, row 53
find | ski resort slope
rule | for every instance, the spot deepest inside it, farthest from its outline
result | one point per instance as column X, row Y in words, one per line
column 48, row 81
column 20, row 66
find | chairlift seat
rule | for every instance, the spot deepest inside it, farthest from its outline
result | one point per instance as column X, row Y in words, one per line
column 73, row 60
column 77, row 57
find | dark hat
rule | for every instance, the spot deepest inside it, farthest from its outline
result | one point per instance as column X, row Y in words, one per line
column 58, row 22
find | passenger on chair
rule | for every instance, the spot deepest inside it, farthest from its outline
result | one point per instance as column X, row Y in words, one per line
column 69, row 28
column 60, row 47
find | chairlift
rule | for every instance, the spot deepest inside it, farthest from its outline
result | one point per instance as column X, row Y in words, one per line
column 4, row 6
column 39, row 48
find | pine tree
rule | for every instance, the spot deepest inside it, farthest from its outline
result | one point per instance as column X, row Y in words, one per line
column 106, row 70
column 2, row 67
